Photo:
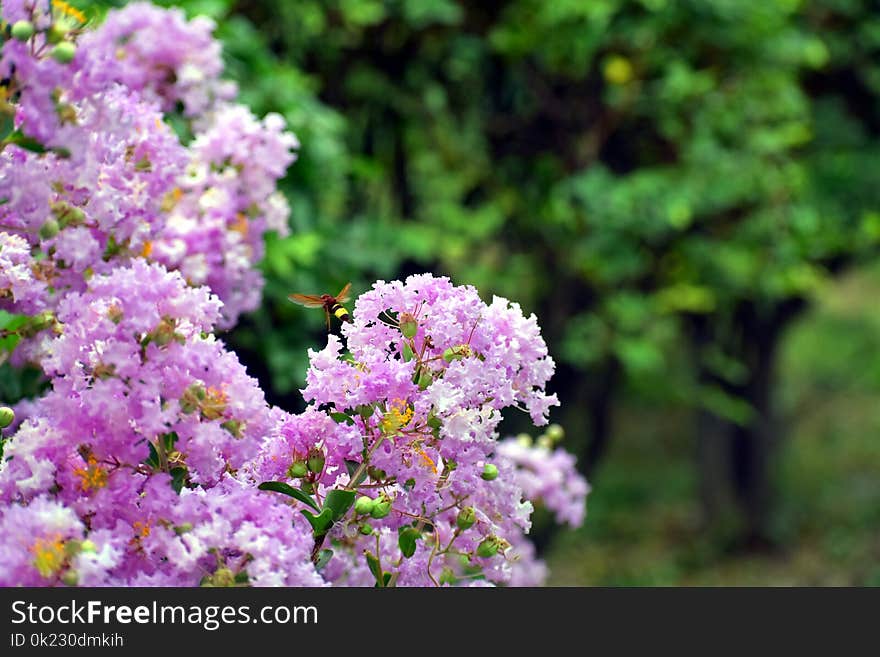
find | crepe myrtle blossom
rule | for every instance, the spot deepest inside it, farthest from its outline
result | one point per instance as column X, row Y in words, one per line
column 151, row 457
column 91, row 174
column 411, row 475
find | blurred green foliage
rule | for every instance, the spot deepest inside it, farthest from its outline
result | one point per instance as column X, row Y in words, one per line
column 614, row 165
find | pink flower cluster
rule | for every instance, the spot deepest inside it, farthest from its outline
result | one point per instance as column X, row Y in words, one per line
column 153, row 458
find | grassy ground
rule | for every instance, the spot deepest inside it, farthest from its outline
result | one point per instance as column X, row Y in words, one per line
column 643, row 526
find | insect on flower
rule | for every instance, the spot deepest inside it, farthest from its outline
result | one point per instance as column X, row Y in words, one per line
column 330, row 303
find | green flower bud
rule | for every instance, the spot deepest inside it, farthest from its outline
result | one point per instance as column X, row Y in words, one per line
column 183, row 528
column 56, row 33
column 64, row 52
column 376, row 474
column 554, row 433
column 466, row 518
column 490, row 472
column 70, row 577
column 88, row 546
column 364, row 505
column 408, row 325
column 307, row 487
column 7, row 416
column 381, row 508
column 316, row 460
column 297, row 470
column 49, row 229
column 22, row 30
column 365, row 529
column 488, row 547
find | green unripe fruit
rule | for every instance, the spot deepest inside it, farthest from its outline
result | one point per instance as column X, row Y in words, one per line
column 554, row 433
column 364, row 505
column 49, row 229
column 365, row 529
column 7, row 416
column 466, row 518
column 316, row 461
column 490, row 472
column 22, row 30
column 64, row 52
column 381, row 508
column 488, row 547
column 56, row 33
column 297, row 470
column 408, row 325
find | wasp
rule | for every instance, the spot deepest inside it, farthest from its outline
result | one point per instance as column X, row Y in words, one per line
column 330, row 303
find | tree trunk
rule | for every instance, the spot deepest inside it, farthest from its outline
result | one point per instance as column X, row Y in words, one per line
column 736, row 461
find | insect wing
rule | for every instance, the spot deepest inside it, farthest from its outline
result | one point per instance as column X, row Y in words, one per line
column 342, row 297
column 307, row 300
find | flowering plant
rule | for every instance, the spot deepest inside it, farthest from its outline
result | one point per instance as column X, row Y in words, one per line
column 153, row 458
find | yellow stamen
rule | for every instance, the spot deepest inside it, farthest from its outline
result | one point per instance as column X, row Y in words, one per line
column 92, row 477
column 397, row 417
column 48, row 555
column 428, row 461
column 240, row 225
column 147, row 250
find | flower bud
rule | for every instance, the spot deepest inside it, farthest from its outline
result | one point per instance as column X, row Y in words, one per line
column 364, row 505
column 408, row 325
column 490, row 472
column 88, row 546
column 316, row 460
column 64, row 52
column 307, row 487
column 183, row 528
column 70, row 577
column 376, row 474
column 381, row 508
column 56, row 33
column 49, row 229
column 365, row 529
column 466, row 518
column 22, row 30
column 297, row 470
column 7, row 416
column 554, row 433
column 488, row 547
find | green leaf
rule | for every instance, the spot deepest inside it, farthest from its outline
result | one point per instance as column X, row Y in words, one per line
column 342, row 417
column 351, row 467
column 338, row 502
column 168, row 440
column 287, row 489
column 324, row 557
column 407, row 540
column 153, row 459
column 21, row 140
column 373, row 564
column 320, row 523
column 408, row 354
column 178, row 478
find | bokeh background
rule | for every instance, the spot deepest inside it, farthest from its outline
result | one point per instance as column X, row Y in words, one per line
column 687, row 195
